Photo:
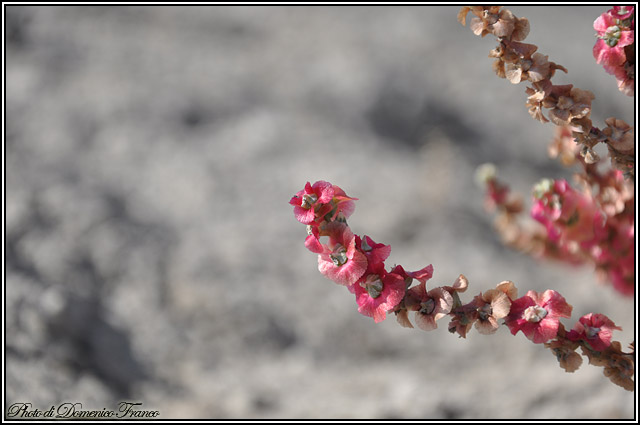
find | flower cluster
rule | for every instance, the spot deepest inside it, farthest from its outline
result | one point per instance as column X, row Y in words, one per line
column 615, row 48
column 594, row 225
column 347, row 259
column 358, row 262
column 565, row 105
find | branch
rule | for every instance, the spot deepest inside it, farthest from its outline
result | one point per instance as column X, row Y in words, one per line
column 358, row 264
column 566, row 105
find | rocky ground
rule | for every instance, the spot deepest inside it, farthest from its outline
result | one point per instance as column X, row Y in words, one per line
column 152, row 255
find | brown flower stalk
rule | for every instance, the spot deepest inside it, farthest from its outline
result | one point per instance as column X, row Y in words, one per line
column 564, row 104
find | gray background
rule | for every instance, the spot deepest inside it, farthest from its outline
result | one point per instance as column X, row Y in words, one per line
column 152, row 254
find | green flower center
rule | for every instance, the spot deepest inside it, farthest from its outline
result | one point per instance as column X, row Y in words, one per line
column 373, row 285
column 339, row 255
column 612, row 36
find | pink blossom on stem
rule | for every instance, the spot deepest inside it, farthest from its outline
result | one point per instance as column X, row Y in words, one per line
column 613, row 49
column 537, row 315
column 378, row 293
column 376, row 253
column 340, row 261
column 621, row 12
column 595, row 329
column 309, row 201
column 322, row 201
column 572, row 219
column 612, row 38
column 344, row 204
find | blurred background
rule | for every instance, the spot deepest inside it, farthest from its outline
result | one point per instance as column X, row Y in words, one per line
column 152, row 255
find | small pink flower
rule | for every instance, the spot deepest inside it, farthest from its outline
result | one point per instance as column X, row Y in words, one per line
column 621, row 12
column 613, row 49
column 537, row 315
column 595, row 329
column 609, row 49
column 569, row 216
column 340, row 261
column 376, row 253
column 613, row 58
column 378, row 293
column 310, row 201
column 343, row 204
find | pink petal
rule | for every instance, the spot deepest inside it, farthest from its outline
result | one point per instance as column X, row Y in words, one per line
column 626, row 38
column 423, row 274
column 389, row 298
column 603, row 22
column 547, row 329
column 346, row 274
column 303, row 215
column 555, row 304
column 347, row 208
column 313, row 244
column 324, row 190
column 606, row 55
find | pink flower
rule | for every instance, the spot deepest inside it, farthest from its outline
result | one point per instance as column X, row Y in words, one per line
column 614, row 49
column 570, row 217
column 376, row 253
column 340, row 261
column 310, row 203
column 378, row 293
column 322, row 201
column 621, row 12
column 612, row 37
column 595, row 329
column 343, row 204
column 537, row 315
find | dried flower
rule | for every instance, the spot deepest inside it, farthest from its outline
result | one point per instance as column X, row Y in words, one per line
column 492, row 20
column 429, row 306
column 492, row 306
column 563, row 146
column 565, row 352
column 619, row 367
